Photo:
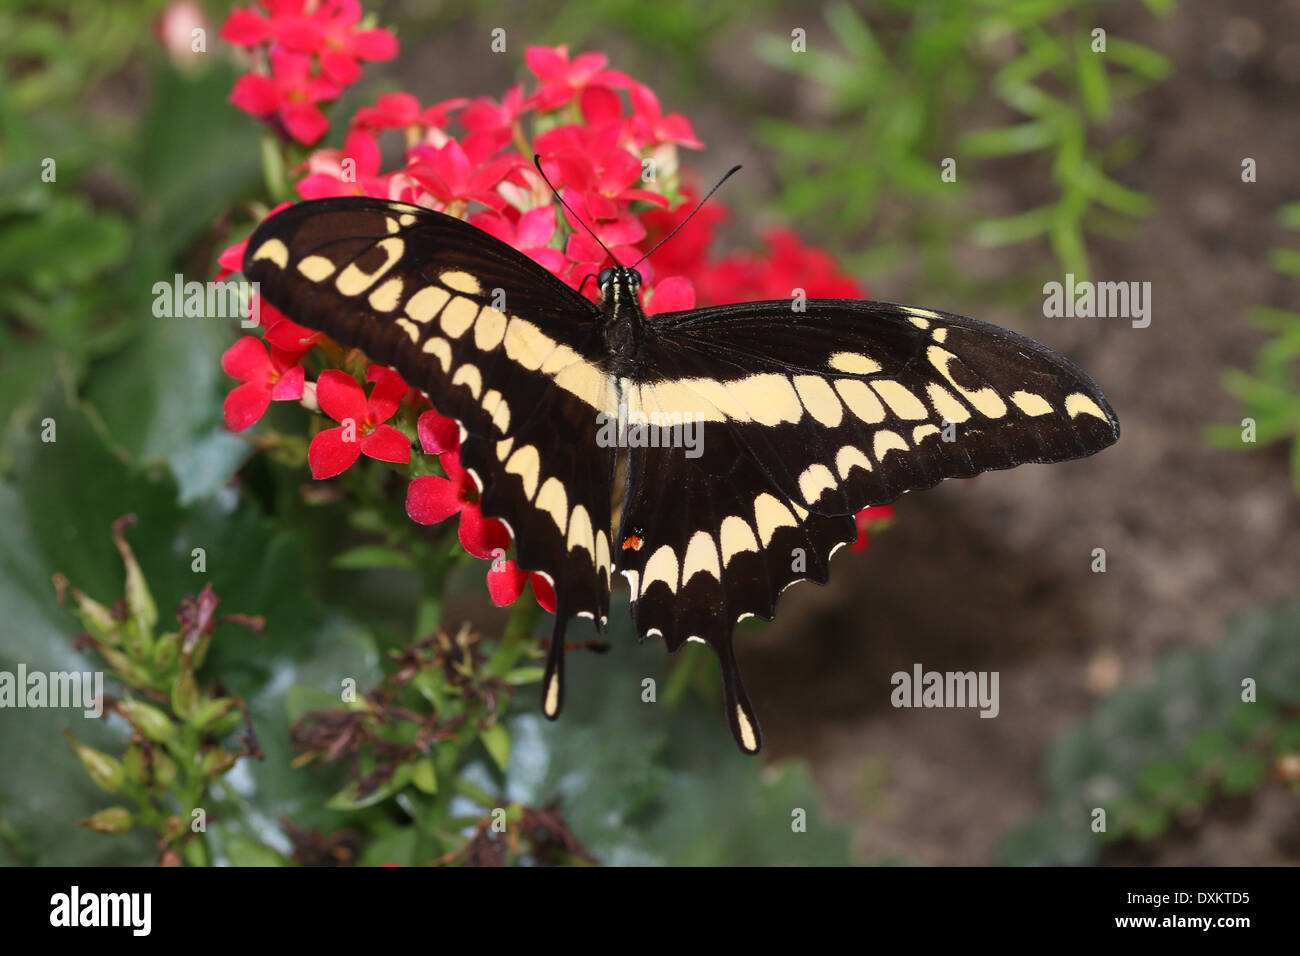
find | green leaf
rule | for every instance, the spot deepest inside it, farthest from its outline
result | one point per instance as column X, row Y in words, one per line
column 367, row 557
column 497, row 741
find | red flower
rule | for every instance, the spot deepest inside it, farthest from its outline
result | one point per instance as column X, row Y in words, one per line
column 329, row 31
column 484, row 117
column 362, row 429
column 876, row 514
column 563, row 79
column 438, row 433
column 391, row 111
column 505, row 582
column 592, row 161
column 290, row 94
column 531, row 235
column 789, row 265
column 649, row 125
column 277, row 377
column 430, row 499
column 449, row 175
column 330, row 176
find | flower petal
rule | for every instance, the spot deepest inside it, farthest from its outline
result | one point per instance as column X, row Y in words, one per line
column 481, row 536
column 247, row 361
column 386, row 396
column 430, row 499
column 329, row 454
column 386, row 443
column 438, row 433
column 245, row 405
column 505, row 582
column 341, row 397
column 289, row 386
column 543, row 591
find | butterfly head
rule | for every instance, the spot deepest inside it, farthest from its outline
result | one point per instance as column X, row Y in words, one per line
column 618, row 284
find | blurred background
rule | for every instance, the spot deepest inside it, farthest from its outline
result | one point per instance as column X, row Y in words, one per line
column 1167, row 158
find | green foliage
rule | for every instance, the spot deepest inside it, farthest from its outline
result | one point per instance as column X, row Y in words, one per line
column 898, row 88
column 1159, row 754
column 1271, row 393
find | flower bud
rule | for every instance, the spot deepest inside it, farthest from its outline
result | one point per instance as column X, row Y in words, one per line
column 185, row 694
column 110, row 820
column 107, row 772
column 150, row 721
column 139, row 602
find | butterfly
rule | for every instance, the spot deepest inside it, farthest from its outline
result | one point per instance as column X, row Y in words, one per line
column 713, row 456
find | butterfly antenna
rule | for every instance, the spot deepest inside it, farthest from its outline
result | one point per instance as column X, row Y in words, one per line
column 731, row 172
column 537, row 161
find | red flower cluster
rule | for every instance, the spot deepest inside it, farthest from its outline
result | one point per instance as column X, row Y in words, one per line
column 312, row 51
column 607, row 146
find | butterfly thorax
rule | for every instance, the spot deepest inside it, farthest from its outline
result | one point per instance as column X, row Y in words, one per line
column 624, row 318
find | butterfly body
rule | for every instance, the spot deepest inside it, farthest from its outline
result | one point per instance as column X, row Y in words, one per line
column 807, row 412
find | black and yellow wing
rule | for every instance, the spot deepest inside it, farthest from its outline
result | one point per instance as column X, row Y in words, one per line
column 808, row 416
column 496, row 342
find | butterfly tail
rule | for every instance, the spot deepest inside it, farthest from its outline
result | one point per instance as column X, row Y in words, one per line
column 553, row 681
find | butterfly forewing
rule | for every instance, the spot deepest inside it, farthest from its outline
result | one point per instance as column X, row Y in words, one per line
column 496, row 341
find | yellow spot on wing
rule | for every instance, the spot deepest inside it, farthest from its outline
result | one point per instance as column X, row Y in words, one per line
column 854, row 363
column 946, row 404
column 900, row 399
column 527, row 464
column 410, row 328
column 580, row 531
column 354, row 280
column 1031, row 404
column 316, row 268
column 701, row 558
column 554, row 502
column 461, row 282
column 458, row 316
column 427, row 303
column 662, row 566
column 986, row 401
column 815, row 480
column 438, row 347
column 495, row 406
column 747, row 738
column 819, row 399
column 736, row 537
column 770, row 514
column 1080, row 404
column 551, row 707
column 490, row 329
column 469, row 376
column 861, row 400
column 850, row 457
column 275, row 251
column 923, row 431
column 887, row 441
column 768, row 398
column 387, row 295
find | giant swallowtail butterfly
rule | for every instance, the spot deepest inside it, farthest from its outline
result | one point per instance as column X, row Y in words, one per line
column 808, row 416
